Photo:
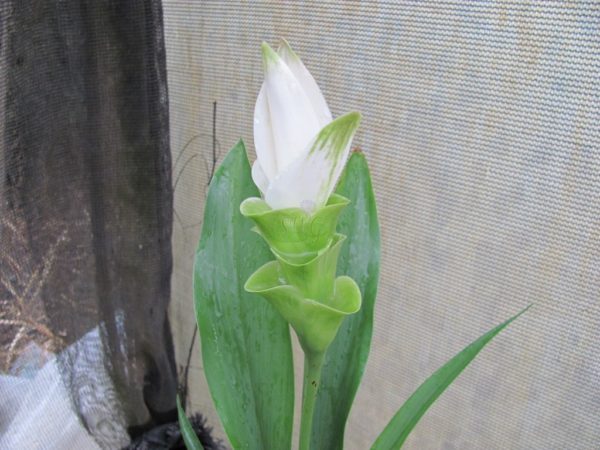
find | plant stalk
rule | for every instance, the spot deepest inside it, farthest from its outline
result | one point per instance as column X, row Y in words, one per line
column 313, row 363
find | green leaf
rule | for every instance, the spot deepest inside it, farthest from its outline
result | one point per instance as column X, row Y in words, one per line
column 359, row 259
column 398, row 429
column 187, row 432
column 241, row 334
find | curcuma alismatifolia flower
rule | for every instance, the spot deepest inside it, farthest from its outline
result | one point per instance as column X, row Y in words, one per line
column 301, row 153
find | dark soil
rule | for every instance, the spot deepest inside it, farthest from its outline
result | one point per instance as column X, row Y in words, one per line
column 168, row 437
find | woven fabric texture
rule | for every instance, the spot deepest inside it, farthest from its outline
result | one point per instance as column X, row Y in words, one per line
column 482, row 129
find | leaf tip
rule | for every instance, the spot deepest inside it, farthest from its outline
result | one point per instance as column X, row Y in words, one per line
column 270, row 56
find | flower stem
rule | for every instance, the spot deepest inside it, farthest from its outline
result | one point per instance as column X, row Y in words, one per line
column 313, row 363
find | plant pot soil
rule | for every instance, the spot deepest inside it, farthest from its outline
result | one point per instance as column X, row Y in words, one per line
column 168, row 437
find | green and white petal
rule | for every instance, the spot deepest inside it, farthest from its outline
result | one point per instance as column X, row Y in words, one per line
column 309, row 181
column 293, row 120
column 308, row 83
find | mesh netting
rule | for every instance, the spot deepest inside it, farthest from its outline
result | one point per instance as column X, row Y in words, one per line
column 85, row 223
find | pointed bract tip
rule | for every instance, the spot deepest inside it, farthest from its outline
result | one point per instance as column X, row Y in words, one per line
column 285, row 48
column 269, row 55
column 352, row 118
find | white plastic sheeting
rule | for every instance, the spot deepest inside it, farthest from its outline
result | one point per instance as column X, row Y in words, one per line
column 36, row 411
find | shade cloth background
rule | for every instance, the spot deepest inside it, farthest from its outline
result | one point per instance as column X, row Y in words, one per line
column 481, row 126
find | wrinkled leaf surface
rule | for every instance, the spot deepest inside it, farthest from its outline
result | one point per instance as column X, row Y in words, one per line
column 246, row 346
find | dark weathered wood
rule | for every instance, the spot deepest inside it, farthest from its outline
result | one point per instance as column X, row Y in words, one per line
column 87, row 172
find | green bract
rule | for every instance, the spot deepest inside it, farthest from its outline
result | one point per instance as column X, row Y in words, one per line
column 293, row 233
column 316, row 323
column 315, row 279
column 301, row 283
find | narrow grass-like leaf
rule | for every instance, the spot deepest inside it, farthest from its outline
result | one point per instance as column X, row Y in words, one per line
column 398, row 429
column 246, row 346
column 187, row 432
column 359, row 259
